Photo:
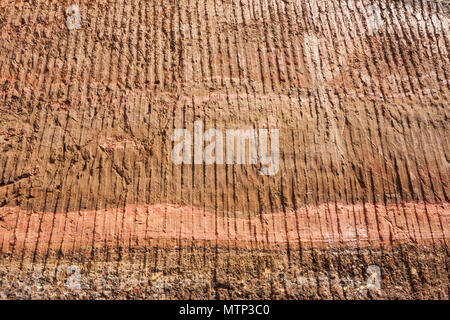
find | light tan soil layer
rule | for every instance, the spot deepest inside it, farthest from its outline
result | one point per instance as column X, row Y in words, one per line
column 87, row 176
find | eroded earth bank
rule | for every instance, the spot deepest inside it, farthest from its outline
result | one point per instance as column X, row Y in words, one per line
column 93, row 203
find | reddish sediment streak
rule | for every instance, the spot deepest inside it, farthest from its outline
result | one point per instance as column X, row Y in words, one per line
column 325, row 226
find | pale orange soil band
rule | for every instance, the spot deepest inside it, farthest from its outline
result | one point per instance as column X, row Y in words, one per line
column 325, row 226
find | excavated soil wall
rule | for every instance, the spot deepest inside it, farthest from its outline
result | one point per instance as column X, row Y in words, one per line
column 358, row 91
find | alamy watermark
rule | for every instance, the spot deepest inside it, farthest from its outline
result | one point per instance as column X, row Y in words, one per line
column 230, row 146
column 73, row 21
column 374, row 18
column 74, row 278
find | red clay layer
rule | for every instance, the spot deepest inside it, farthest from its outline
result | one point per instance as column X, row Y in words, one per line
column 326, row 225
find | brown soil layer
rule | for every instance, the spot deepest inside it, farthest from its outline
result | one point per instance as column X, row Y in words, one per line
column 209, row 272
column 87, row 177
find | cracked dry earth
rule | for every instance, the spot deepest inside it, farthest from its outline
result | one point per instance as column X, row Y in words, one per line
column 90, row 194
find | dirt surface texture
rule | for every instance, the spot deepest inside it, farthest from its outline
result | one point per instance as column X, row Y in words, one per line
column 352, row 202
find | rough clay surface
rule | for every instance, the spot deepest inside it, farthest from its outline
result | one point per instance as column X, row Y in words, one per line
column 86, row 175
